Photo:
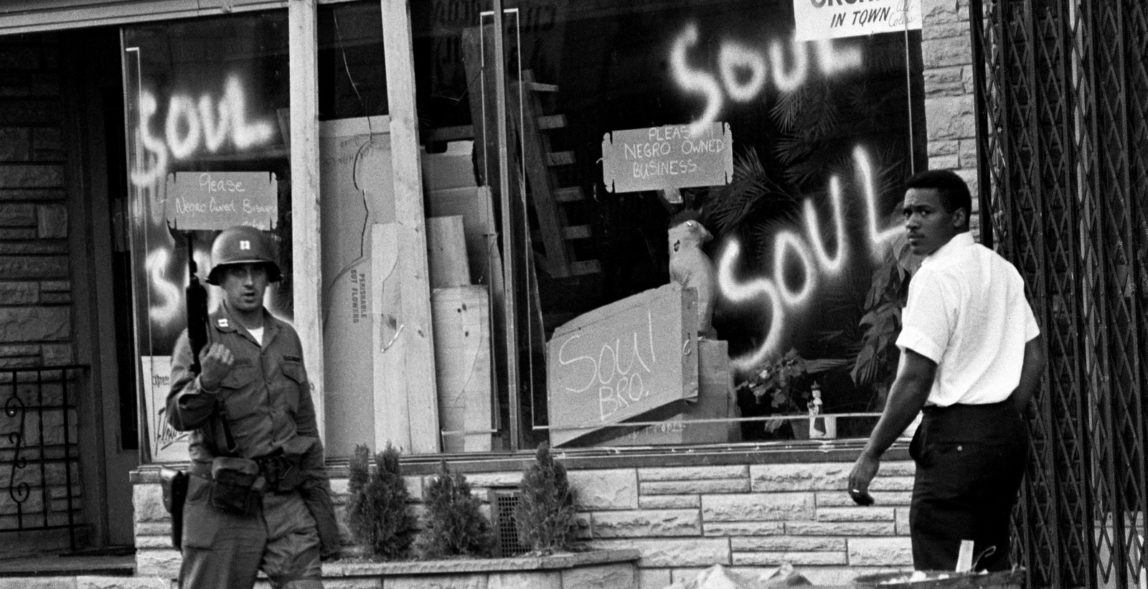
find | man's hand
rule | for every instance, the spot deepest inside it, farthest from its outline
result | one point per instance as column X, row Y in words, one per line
column 216, row 360
column 863, row 472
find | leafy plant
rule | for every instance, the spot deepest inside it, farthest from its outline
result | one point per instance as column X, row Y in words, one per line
column 377, row 508
column 876, row 362
column 785, row 383
column 453, row 524
column 545, row 515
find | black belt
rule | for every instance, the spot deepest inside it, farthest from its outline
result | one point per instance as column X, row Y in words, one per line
column 971, row 423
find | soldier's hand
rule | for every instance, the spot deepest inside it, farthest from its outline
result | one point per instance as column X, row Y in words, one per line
column 215, row 361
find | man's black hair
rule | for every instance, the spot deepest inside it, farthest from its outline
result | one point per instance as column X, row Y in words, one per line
column 950, row 187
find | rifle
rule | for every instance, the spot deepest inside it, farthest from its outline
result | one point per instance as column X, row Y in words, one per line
column 196, row 297
column 174, row 482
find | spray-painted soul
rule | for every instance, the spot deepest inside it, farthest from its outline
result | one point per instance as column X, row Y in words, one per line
column 811, row 257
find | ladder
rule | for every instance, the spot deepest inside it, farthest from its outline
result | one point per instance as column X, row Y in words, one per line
column 544, row 178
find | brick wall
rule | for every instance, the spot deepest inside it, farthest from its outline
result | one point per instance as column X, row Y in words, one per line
column 751, row 518
column 35, row 289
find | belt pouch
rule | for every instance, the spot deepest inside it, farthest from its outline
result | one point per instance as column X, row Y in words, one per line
column 236, row 486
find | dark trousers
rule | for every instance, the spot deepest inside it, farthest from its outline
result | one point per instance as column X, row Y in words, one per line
column 970, row 461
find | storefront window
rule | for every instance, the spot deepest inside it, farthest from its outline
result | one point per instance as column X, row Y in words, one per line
column 206, row 106
column 774, row 134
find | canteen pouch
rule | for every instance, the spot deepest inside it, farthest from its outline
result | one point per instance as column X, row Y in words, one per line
column 236, row 486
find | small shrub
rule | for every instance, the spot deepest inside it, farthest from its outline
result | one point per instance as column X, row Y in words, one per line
column 453, row 525
column 377, row 506
column 545, row 515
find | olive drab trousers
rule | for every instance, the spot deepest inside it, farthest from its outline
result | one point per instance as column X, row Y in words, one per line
column 225, row 551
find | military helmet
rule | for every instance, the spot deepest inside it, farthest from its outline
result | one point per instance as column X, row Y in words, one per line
column 242, row 244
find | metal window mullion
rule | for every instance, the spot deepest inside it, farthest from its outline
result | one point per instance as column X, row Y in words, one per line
column 510, row 282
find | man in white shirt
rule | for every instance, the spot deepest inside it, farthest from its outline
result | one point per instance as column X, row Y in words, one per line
column 971, row 359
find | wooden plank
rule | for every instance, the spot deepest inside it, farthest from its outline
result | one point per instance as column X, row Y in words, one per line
column 306, row 234
column 551, row 122
column 446, row 245
column 560, row 158
column 26, row 16
column 585, row 267
column 634, row 359
column 577, row 232
column 463, row 371
column 418, row 346
column 569, row 194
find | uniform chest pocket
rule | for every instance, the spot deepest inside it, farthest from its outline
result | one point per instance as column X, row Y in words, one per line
column 241, row 376
column 296, row 381
column 240, row 389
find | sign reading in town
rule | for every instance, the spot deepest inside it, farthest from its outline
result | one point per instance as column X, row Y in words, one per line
column 815, row 20
column 212, row 201
column 667, row 157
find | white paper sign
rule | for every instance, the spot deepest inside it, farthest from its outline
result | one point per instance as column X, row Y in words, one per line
column 833, row 19
column 167, row 444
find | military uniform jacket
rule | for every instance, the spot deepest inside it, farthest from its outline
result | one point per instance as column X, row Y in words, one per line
column 266, row 398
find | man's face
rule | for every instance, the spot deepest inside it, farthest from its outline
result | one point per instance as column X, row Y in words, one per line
column 244, row 285
column 927, row 223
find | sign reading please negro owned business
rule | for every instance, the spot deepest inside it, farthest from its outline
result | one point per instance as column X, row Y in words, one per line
column 670, row 156
column 211, row 201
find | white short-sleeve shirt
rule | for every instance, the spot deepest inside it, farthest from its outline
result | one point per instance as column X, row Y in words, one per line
column 967, row 312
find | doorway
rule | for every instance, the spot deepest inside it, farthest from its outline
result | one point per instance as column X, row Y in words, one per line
column 92, row 98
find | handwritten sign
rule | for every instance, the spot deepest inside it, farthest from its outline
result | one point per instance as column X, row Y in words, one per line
column 630, row 360
column 833, row 19
column 667, row 157
column 166, row 444
column 217, row 200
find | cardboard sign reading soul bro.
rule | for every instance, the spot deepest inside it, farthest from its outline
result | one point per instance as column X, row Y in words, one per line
column 671, row 156
column 212, row 201
column 632, row 360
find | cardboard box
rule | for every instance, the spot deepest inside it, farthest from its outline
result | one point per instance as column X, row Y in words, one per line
column 453, row 168
column 632, row 360
column 356, row 191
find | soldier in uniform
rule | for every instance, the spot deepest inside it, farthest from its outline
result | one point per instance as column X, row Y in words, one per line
column 258, row 496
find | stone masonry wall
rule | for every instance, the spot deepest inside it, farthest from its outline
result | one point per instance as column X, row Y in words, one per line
column 751, row 518
column 35, row 285
column 950, row 112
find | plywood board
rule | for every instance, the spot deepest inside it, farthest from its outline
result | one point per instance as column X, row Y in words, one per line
column 446, row 252
column 635, row 359
column 402, row 348
column 416, row 345
column 463, row 367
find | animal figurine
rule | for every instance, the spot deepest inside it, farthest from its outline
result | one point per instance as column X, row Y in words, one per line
column 692, row 268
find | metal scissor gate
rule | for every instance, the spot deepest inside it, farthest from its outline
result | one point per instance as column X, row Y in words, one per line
column 1062, row 93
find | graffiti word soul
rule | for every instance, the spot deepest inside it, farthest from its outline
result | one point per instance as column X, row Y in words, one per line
column 744, row 72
